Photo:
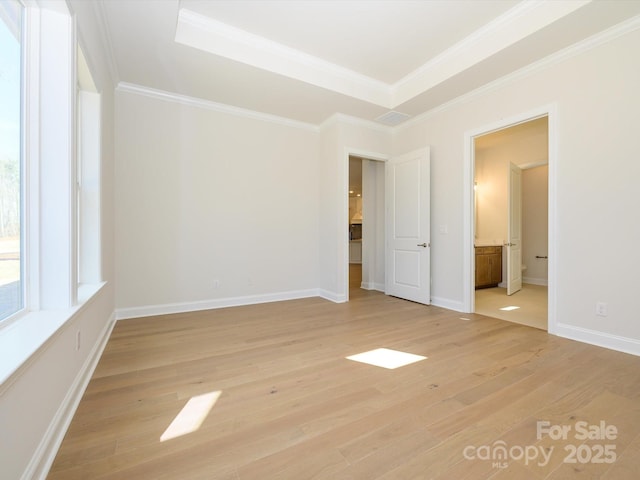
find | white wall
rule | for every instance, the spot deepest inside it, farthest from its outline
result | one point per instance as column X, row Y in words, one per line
column 38, row 401
column 212, row 209
column 535, row 226
column 597, row 99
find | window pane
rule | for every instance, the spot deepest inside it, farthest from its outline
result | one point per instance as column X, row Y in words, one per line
column 10, row 158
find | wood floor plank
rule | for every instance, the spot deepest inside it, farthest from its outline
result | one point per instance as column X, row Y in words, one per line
column 292, row 406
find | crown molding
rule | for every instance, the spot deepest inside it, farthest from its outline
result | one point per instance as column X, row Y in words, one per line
column 343, row 119
column 103, row 27
column 207, row 34
column 576, row 49
column 204, row 33
column 515, row 24
column 594, row 41
column 209, row 105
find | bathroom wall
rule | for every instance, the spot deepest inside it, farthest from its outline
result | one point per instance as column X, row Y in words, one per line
column 491, row 190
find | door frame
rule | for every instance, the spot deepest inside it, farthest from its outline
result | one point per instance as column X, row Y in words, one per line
column 344, row 217
column 510, row 230
column 468, row 261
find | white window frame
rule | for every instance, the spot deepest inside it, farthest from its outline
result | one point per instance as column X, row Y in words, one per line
column 88, row 192
column 49, row 195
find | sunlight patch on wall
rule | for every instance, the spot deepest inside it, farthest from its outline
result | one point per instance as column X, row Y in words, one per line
column 191, row 416
column 386, row 358
column 509, row 308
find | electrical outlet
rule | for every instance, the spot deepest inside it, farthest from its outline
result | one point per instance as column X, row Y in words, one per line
column 601, row 309
column 77, row 340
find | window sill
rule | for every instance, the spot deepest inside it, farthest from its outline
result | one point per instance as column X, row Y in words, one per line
column 25, row 337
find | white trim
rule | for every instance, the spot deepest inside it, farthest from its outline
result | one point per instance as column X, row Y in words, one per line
column 209, row 105
column 468, row 224
column 343, row 119
column 367, row 155
column 552, row 244
column 332, row 296
column 343, row 233
column 45, row 453
column 89, row 187
column 515, row 24
column 105, row 36
column 468, row 261
column 57, row 282
column 204, row 33
column 535, row 281
column 372, row 286
column 600, row 339
column 182, row 307
column 578, row 48
column 529, row 166
column 447, row 303
column 31, row 125
column 22, row 342
column 594, row 41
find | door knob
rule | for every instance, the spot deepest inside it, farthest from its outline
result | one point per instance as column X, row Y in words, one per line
column 422, row 245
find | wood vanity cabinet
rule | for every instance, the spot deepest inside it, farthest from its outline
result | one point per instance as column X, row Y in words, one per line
column 488, row 266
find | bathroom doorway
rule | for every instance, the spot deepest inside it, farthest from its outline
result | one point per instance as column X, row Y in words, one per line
column 502, row 208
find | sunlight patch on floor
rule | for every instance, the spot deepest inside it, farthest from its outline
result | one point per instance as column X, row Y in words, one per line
column 191, row 416
column 386, row 358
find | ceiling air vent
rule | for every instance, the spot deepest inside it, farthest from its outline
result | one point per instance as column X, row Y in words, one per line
column 392, row 118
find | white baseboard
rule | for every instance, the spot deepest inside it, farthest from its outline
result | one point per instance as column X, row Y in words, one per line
column 535, row 281
column 332, row 296
column 448, row 304
column 45, row 454
column 372, row 286
column 168, row 308
column 600, row 339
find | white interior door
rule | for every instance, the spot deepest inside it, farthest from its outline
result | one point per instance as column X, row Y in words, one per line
column 408, row 208
column 514, row 245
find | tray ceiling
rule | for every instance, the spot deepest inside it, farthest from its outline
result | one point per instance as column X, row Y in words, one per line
column 306, row 60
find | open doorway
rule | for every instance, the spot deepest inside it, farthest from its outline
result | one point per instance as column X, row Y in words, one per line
column 365, row 229
column 511, row 223
column 355, row 222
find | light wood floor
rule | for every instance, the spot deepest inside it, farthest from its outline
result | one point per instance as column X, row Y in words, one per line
column 355, row 275
column 293, row 407
column 531, row 302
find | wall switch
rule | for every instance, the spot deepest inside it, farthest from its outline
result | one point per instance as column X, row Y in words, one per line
column 601, row 309
column 77, row 340
column 216, row 284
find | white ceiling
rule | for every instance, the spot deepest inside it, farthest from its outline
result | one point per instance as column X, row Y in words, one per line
column 306, row 60
column 384, row 40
